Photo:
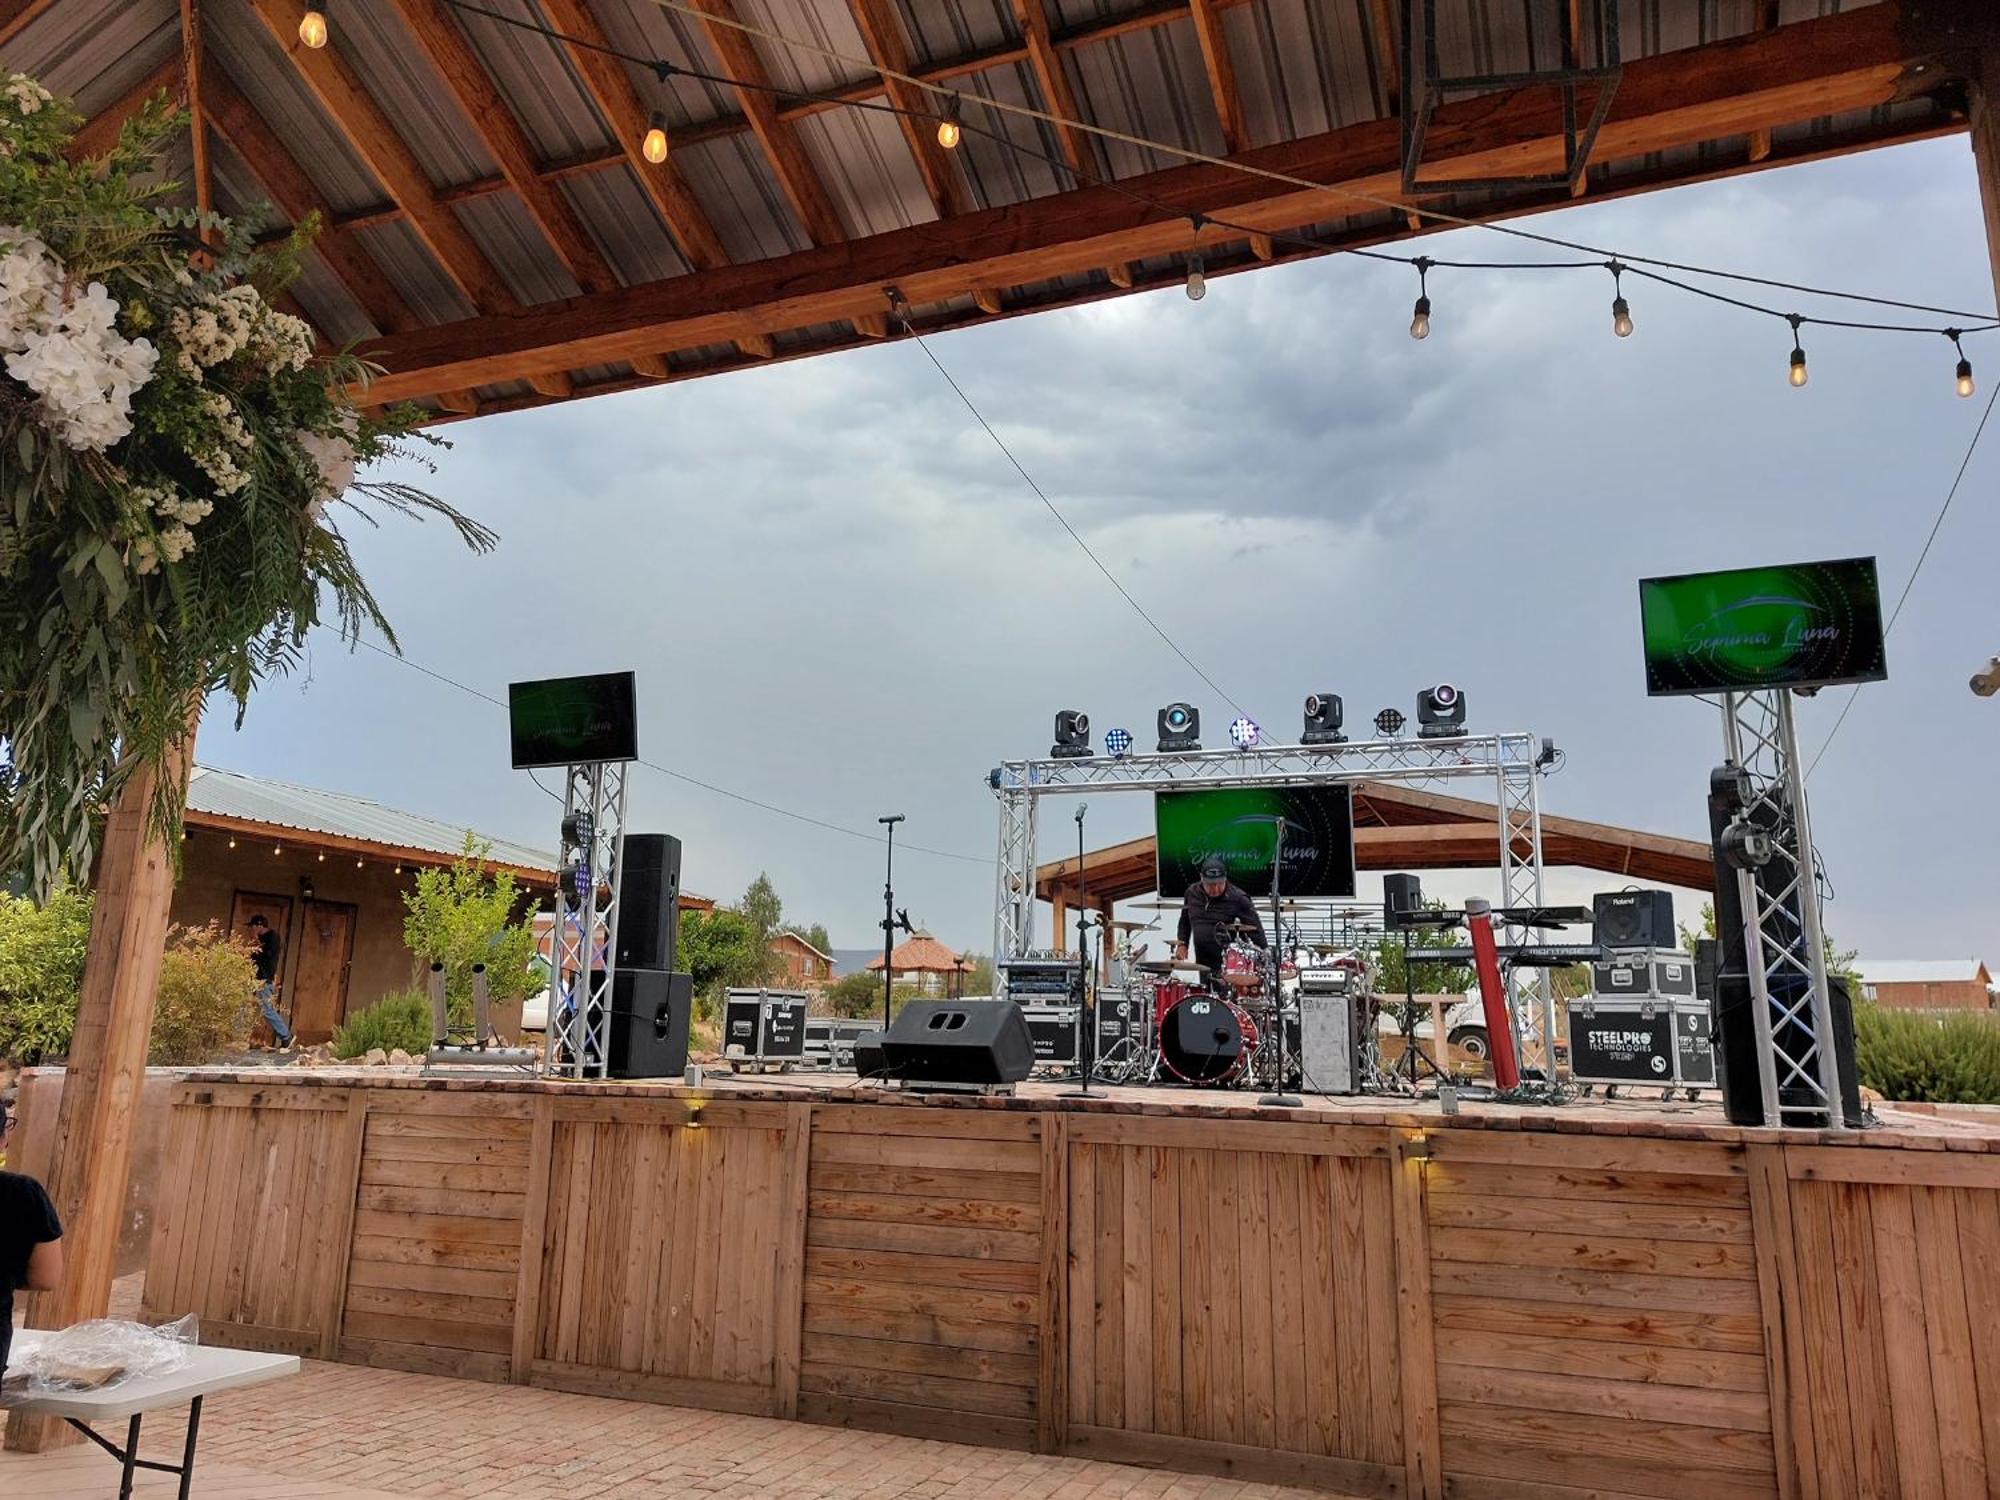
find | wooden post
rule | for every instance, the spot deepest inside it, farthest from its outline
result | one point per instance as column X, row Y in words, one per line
column 92, row 1159
column 1059, row 903
column 1986, row 151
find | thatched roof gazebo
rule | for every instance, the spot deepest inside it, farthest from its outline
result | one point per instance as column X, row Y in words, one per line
column 935, row 965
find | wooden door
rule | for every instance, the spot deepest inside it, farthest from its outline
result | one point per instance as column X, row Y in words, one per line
column 319, row 981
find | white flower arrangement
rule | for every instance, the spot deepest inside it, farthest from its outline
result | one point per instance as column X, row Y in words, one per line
column 64, row 345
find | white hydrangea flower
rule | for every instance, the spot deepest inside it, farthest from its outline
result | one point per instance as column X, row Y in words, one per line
column 68, row 350
column 30, row 280
column 334, row 457
column 28, row 95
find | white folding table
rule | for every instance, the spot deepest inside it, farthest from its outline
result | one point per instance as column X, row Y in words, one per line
column 208, row 1370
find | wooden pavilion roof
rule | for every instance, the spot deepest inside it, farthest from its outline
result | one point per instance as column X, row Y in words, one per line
column 495, row 239
column 1401, row 828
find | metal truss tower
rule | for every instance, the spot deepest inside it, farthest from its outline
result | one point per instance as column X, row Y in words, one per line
column 586, row 933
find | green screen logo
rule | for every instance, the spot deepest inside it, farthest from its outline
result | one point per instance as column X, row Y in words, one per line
column 1800, row 625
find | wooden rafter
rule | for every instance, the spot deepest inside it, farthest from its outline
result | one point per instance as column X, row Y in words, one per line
column 15, row 15
column 438, row 34
column 1763, row 18
column 797, row 176
column 360, row 119
column 1213, row 38
column 191, row 99
column 618, row 101
column 280, row 175
column 99, row 133
column 1385, row 33
column 1851, row 61
column 889, row 50
column 1033, row 19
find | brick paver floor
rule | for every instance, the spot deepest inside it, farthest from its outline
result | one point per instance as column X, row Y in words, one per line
column 361, row 1434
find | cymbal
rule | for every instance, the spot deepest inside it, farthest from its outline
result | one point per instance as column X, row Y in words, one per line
column 1125, row 926
column 1167, row 966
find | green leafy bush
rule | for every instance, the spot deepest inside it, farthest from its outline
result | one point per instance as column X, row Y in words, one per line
column 1938, row 1057
column 464, row 915
column 854, row 995
column 399, row 1020
column 204, row 1001
column 41, row 972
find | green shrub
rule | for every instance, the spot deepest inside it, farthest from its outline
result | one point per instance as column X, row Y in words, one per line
column 204, row 1000
column 41, row 972
column 399, row 1020
column 854, row 995
column 1938, row 1057
column 464, row 916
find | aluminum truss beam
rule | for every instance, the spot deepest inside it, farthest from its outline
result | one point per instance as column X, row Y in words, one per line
column 586, row 932
column 1507, row 760
column 1782, row 938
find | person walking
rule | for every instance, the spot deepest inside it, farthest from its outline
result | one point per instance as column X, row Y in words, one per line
column 266, row 949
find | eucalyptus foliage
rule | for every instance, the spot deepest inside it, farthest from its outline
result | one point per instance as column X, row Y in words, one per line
column 175, row 459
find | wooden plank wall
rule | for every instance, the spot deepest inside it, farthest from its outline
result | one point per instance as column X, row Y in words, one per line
column 923, row 1271
column 436, row 1255
column 1235, row 1309
column 1479, row 1314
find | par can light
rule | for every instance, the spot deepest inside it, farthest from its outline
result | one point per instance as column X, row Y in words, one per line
column 1118, row 743
column 1389, row 723
column 1244, row 733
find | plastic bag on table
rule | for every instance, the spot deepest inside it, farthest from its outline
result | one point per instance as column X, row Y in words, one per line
column 106, row 1352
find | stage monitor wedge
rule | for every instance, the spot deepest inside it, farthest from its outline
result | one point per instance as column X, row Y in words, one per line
column 1801, row 625
column 573, row 721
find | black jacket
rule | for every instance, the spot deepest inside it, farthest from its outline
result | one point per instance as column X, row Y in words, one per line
column 1202, row 916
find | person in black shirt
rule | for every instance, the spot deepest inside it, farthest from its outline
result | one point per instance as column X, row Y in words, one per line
column 1211, row 905
column 30, row 1242
column 266, row 949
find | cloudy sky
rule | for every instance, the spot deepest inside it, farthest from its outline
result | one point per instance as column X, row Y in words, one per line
column 841, row 600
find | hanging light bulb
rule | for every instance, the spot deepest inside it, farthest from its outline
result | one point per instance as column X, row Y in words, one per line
column 654, row 146
column 950, row 132
column 1621, row 310
column 1964, row 370
column 1197, row 280
column 1798, row 371
column 1420, row 322
column 232, row 843
column 312, row 28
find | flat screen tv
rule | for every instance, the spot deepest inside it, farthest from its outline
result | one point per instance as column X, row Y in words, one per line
column 1748, row 629
column 1234, row 822
column 572, row 721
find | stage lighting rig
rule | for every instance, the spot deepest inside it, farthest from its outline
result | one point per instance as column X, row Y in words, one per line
column 1180, row 727
column 1323, row 718
column 1118, row 743
column 1440, row 712
column 1388, row 724
column 1245, row 732
column 577, row 830
column 1072, row 736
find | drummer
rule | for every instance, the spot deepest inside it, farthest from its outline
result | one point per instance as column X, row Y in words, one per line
column 1212, row 907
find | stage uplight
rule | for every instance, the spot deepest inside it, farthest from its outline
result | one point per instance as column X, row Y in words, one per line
column 1244, row 733
column 1118, row 743
column 1180, row 727
column 1440, row 712
column 1388, row 724
column 1072, row 736
column 1323, row 718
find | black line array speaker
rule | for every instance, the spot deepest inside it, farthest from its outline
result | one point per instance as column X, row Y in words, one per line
column 647, row 1031
column 649, row 901
column 959, row 1042
column 1634, row 919
column 1401, row 893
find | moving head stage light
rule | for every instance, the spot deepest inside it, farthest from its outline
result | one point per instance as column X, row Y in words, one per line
column 1180, row 727
column 1323, row 716
column 1072, row 736
column 1440, row 712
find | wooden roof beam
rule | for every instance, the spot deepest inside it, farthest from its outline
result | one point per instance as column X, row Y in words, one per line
column 16, row 15
column 1762, row 19
column 1033, row 19
column 1854, row 60
column 882, row 34
column 1214, row 41
column 191, row 98
column 280, row 175
column 437, row 32
column 99, row 133
column 374, row 139
column 797, row 177
column 1385, row 35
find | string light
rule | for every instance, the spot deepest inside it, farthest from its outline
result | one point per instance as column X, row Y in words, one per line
column 1964, row 371
column 1798, row 372
column 654, row 146
column 950, row 126
column 1197, row 282
column 312, row 28
column 277, row 848
column 232, row 843
column 1420, row 321
column 357, row 864
column 1621, row 310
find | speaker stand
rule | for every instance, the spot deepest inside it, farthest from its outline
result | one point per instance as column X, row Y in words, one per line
column 1278, row 1098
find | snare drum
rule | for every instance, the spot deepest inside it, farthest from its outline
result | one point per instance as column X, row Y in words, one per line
column 1243, row 967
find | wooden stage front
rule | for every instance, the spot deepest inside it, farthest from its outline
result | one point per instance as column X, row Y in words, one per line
column 1599, row 1301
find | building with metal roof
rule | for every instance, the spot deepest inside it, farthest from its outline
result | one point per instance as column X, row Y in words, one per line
column 1928, row 983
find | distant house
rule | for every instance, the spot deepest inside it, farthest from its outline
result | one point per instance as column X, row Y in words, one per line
column 805, row 967
column 1928, row 983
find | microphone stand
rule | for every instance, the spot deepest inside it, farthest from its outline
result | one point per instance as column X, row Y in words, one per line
column 1278, row 1098
column 889, row 916
column 1086, row 1015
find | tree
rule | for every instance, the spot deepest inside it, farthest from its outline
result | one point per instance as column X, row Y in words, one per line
column 42, row 948
column 978, row 977
column 854, row 995
column 761, row 905
column 462, row 915
column 817, row 936
column 722, row 950
column 1427, row 978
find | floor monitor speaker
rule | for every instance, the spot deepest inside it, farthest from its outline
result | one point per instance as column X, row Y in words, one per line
column 963, row 1042
column 1635, row 919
